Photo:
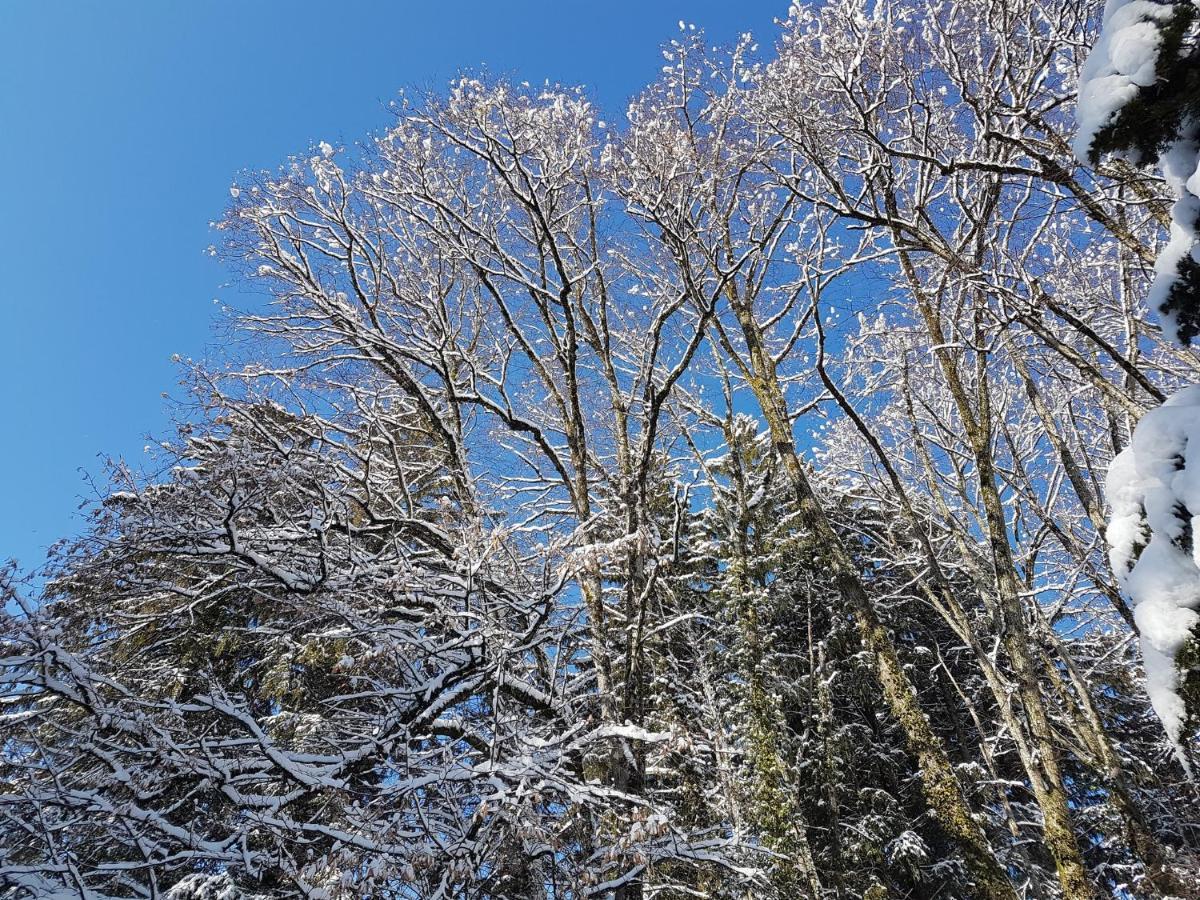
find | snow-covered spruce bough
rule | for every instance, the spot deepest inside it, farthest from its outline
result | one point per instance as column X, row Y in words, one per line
column 1139, row 99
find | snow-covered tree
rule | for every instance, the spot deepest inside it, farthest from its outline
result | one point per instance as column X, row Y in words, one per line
column 700, row 502
column 291, row 667
column 1139, row 99
column 1153, row 553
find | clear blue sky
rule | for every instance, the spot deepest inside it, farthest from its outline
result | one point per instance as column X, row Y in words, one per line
column 122, row 125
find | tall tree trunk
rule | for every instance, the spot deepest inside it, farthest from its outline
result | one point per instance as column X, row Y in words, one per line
column 941, row 787
column 1043, row 765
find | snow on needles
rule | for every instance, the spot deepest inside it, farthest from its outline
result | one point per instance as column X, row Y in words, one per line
column 1153, row 485
column 1153, row 488
column 1181, row 169
column 1124, row 58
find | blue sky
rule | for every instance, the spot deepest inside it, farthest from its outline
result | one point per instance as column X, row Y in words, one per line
column 122, row 125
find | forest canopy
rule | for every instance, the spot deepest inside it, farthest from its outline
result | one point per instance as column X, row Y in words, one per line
column 704, row 501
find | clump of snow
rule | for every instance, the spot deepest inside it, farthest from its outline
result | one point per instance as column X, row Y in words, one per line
column 1153, row 488
column 1154, row 485
column 1181, row 170
column 203, row 886
column 1123, row 60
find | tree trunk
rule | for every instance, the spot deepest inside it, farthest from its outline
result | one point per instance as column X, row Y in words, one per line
column 941, row 787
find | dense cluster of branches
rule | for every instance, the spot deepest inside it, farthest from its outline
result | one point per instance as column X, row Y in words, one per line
column 708, row 506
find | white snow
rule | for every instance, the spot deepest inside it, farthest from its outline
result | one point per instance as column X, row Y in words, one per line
column 1181, row 169
column 1153, row 488
column 1122, row 60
